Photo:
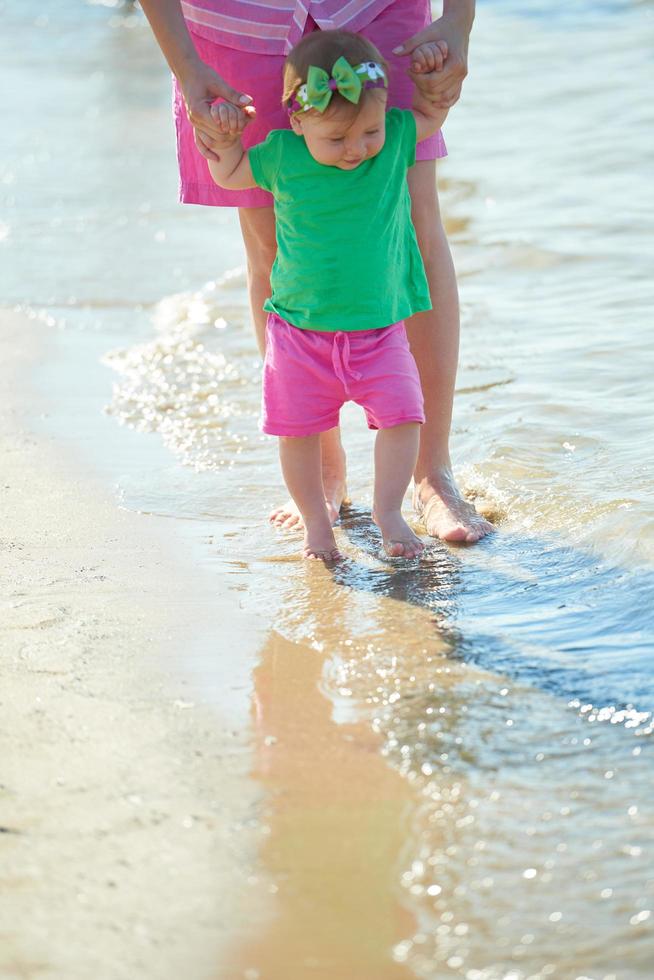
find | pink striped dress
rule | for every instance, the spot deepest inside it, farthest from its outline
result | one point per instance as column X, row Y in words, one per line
column 273, row 26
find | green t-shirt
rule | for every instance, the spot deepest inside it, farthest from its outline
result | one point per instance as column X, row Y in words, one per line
column 347, row 255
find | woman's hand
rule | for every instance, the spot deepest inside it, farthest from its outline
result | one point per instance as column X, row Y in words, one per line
column 443, row 87
column 201, row 86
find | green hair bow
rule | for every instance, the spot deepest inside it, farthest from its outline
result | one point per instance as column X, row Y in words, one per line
column 348, row 81
column 321, row 87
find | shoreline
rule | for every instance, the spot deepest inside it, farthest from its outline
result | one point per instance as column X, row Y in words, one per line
column 125, row 800
column 162, row 741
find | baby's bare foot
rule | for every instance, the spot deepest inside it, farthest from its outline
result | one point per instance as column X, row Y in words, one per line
column 320, row 544
column 289, row 517
column 331, row 555
column 399, row 540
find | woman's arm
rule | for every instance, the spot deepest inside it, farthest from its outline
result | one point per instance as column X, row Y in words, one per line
column 199, row 83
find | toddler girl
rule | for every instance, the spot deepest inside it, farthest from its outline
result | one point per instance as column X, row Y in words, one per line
column 347, row 273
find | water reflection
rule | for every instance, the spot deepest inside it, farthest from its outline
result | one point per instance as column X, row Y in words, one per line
column 550, row 615
column 530, row 832
column 332, row 831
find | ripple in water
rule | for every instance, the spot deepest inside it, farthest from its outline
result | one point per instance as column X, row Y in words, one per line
column 529, row 849
column 511, row 687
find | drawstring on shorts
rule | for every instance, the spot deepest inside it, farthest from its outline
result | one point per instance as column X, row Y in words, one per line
column 341, row 359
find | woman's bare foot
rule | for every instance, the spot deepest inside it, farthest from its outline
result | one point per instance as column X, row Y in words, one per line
column 399, row 540
column 444, row 512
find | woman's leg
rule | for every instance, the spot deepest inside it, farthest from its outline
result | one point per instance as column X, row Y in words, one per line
column 300, row 459
column 258, row 230
column 434, row 340
column 396, row 451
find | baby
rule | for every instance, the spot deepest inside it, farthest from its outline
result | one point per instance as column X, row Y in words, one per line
column 348, row 270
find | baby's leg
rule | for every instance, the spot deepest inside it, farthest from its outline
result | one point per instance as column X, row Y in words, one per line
column 301, row 465
column 396, row 452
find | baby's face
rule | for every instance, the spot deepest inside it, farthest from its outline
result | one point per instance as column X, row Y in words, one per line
column 342, row 139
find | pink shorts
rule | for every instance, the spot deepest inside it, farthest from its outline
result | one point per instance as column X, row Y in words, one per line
column 309, row 374
column 260, row 76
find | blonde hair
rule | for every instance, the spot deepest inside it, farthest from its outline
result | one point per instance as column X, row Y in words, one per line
column 323, row 49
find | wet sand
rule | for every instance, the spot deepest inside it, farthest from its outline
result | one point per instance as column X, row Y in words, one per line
column 124, row 801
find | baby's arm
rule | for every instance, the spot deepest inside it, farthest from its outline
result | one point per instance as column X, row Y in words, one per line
column 231, row 169
column 426, row 59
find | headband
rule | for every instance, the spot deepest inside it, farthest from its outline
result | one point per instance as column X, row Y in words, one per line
column 349, row 81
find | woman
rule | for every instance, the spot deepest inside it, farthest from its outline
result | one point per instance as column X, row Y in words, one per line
column 234, row 50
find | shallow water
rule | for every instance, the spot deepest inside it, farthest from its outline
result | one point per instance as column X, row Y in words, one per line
column 454, row 754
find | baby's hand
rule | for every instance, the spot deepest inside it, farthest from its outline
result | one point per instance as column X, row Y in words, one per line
column 428, row 57
column 231, row 120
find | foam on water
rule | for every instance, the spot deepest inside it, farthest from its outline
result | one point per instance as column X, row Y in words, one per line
column 187, row 385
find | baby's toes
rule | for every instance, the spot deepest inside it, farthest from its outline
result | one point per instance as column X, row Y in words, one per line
column 395, row 549
column 315, row 554
column 413, row 547
column 409, row 548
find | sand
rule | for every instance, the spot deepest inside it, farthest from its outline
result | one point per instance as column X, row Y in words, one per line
column 124, row 802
